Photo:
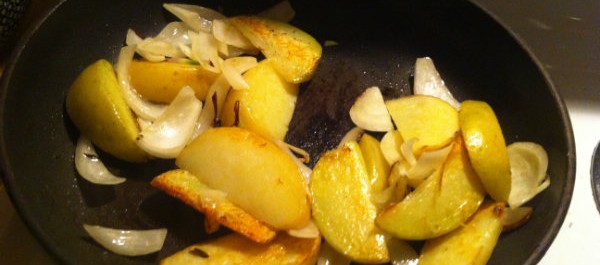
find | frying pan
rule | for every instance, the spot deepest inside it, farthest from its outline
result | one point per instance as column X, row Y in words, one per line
column 378, row 44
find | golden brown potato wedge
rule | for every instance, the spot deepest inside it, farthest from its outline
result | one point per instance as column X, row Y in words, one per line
column 470, row 244
column 342, row 206
column 236, row 249
column 440, row 204
column 217, row 209
column 295, row 54
column 256, row 174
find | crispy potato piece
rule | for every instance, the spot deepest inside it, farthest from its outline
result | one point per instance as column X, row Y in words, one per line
column 295, row 54
column 471, row 244
column 217, row 209
column 236, row 249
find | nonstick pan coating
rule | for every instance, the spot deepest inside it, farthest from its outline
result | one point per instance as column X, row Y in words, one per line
column 378, row 42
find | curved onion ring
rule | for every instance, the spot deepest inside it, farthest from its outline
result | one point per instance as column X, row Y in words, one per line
column 128, row 242
column 145, row 109
column 89, row 165
column 169, row 134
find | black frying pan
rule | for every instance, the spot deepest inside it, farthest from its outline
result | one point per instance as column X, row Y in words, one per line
column 378, row 44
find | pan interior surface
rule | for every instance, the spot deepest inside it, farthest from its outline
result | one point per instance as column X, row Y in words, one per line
column 378, row 42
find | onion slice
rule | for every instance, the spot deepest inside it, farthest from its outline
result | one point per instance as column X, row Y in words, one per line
column 89, row 165
column 370, row 113
column 353, row 135
column 196, row 17
column 169, row 134
column 304, row 169
column 128, row 242
column 309, row 231
column 515, row 217
column 233, row 68
column 145, row 109
column 406, row 149
column 401, row 253
column 427, row 163
column 390, row 146
column 428, row 82
column 230, row 35
column 211, row 113
column 528, row 165
column 329, row 256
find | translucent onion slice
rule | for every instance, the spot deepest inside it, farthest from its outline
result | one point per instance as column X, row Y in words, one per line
column 145, row 109
column 390, row 146
column 370, row 113
column 428, row 82
column 282, row 11
column 176, row 33
column 406, row 149
column 304, row 169
column 515, row 218
column 157, row 50
column 210, row 113
column 169, row 134
column 228, row 34
column 427, row 163
column 89, row 165
column 205, row 50
column 233, row 68
column 132, row 38
column 329, row 256
column 353, row 135
column 196, row 17
column 309, row 231
column 402, row 253
column 396, row 189
column 528, row 165
column 128, row 242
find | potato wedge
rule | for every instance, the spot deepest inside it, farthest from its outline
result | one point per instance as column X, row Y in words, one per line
column 440, row 204
column 429, row 119
column 236, row 249
column 267, row 107
column 295, row 54
column 188, row 188
column 97, row 107
column 342, row 206
column 471, row 244
column 161, row 81
column 486, row 146
column 257, row 175
column 376, row 165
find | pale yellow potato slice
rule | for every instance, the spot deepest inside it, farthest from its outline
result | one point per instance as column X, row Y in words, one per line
column 472, row 243
column 487, row 148
column 98, row 109
column 295, row 54
column 342, row 206
column 255, row 174
column 236, row 249
column 161, row 81
column 266, row 107
column 375, row 163
column 440, row 204
column 216, row 207
column 432, row 121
